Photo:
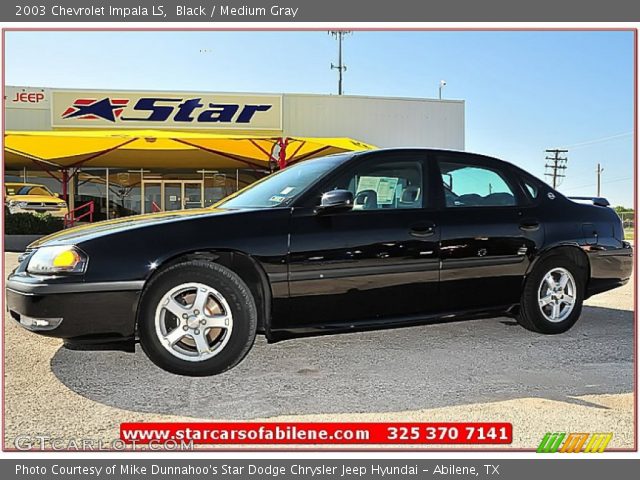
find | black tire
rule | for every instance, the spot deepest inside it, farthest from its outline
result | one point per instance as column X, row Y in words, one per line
column 530, row 315
column 238, row 297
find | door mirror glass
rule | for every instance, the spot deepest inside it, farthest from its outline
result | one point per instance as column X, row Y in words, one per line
column 335, row 200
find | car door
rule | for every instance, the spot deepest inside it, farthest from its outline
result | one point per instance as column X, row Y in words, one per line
column 490, row 231
column 377, row 261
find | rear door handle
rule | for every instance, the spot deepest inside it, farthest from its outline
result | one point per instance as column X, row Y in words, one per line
column 422, row 230
column 529, row 225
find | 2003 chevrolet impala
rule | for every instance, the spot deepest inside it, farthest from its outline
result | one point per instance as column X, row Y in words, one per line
column 375, row 239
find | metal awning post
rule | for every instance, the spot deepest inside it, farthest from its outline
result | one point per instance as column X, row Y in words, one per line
column 65, row 184
column 107, row 192
column 72, row 190
column 282, row 154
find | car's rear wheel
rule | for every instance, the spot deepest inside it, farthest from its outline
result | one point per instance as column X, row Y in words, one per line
column 197, row 318
column 552, row 297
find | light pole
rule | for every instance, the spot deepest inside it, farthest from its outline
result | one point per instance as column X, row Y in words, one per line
column 440, row 87
column 339, row 34
column 599, row 171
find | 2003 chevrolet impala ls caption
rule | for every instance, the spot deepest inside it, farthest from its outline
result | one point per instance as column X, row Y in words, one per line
column 375, row 239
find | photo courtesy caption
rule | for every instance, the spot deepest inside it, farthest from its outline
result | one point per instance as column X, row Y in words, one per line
column 222, row 470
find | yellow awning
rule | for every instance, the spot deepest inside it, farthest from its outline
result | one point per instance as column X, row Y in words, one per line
column 154, row 149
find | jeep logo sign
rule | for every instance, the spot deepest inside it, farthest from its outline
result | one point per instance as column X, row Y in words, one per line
column 102, row 109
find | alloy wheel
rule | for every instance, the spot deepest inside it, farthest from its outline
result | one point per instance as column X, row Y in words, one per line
column 193, row 321
column 557, row 294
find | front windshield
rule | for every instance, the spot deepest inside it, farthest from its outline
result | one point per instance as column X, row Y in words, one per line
column 280, row 189
column 27, row 190
column 34, row 190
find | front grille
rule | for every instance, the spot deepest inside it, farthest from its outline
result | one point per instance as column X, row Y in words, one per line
column 43, row 206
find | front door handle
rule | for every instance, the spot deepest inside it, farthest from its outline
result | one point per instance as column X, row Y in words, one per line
column 422, row 230
column 529, row 225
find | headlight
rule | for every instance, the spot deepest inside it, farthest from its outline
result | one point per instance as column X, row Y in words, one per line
column 13, row 203
column 57, row 259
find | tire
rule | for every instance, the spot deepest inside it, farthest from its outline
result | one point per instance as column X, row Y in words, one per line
column 538, row 292
column 197, row 318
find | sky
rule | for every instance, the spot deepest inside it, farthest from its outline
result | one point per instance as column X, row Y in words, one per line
column 524, row 92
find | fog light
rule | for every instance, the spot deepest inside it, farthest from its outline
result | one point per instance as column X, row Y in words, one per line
column 31, row 323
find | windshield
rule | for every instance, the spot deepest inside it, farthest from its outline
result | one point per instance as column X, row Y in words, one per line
column 27, row 190
column 280, row 189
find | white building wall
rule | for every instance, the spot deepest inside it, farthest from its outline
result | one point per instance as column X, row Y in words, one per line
column 27, row 108
column 380, row 121
column 384, row 122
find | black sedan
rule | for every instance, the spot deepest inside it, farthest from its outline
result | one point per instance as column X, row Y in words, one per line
column 377, row 239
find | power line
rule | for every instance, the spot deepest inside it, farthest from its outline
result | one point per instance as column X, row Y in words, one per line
column 603, row 183
column 556, row 166
column 599, row 140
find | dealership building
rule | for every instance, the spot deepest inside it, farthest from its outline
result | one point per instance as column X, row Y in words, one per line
column 127, row 152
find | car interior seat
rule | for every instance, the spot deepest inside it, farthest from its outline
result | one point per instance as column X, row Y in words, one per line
column 410, row 198
column 500, row 199
column 470, row 200
column 366, row 200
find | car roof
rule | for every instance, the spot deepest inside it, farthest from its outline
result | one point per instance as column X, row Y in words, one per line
column 429, row 150
column 479, row 156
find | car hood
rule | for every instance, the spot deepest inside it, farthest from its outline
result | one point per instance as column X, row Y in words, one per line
column 34, row 198
column 83, row 233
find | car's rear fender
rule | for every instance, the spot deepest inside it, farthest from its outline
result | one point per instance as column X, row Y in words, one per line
column 568, row 249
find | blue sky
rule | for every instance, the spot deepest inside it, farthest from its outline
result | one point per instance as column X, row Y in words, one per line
column 524, row 91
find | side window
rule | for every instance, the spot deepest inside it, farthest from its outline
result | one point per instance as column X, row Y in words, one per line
column 393, row 183
column 532, row 188
column 468, row 185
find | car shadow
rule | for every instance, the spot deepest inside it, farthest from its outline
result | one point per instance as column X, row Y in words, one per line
column 413, row 368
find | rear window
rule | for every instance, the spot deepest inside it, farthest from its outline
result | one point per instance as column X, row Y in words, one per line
column 468, row 185
column 531, row 188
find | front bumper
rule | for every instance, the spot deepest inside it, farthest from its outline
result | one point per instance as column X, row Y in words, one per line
column 75, row 311
column 54, row 212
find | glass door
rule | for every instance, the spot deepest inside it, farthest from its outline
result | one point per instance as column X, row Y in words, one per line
column 172, row 196
column 193, row 195
column 152, row 197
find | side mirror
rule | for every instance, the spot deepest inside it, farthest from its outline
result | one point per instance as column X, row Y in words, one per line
column 335, row 201
column 57, row 195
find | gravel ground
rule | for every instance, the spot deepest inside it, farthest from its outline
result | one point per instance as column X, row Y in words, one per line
column 484, row 370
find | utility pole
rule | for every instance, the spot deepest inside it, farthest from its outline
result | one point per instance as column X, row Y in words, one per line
column 599, row 171
column 339, row 34
column 556, row 165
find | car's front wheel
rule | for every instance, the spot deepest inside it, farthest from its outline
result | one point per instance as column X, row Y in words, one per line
column 552, row 296
column 197, row 318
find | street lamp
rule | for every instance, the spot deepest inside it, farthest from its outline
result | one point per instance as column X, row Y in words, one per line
column 440, row 87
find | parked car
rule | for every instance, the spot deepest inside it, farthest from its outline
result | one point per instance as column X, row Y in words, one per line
column 33, row 198
column 376, row 239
